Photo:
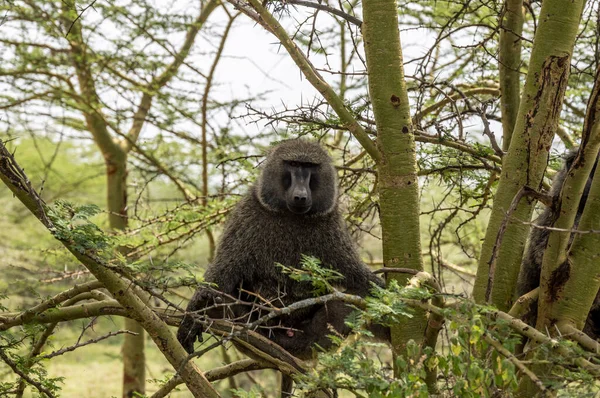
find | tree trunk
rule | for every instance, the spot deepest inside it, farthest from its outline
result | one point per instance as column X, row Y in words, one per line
column 397, row 169
column 527, row 157
column 569, row 283
column 579, row 291
column 509, row 59
column 134, row 363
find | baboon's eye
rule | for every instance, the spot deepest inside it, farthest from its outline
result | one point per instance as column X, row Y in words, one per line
column 314, row 182
column 286, row 180
column 294, row 164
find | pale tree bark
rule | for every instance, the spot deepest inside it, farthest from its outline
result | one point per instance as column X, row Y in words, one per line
column 527, row 157
column 115, row 151
column 509, row 58
column 397, row 168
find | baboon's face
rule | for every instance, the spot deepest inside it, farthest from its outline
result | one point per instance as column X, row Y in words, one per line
column 298, row 177
column 298, row 181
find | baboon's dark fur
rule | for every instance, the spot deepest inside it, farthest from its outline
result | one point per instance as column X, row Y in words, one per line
column 529, row 276
column 262, row 231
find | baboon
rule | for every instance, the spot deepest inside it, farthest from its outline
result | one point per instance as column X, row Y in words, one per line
column 529, row 276
column 292, row 210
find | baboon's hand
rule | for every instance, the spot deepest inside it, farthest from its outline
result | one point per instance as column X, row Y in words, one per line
column 188, row 332
column 191, row 327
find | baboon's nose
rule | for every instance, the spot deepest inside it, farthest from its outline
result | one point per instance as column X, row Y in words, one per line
column 300, row 198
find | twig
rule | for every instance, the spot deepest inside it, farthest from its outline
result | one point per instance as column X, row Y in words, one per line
column 319, row 6
column 91, row 341
column 458, row 269
column 348, row 298
column 572, row 231
column 66, row 275
column 525, row 304
column 79, row 16
column 488, row 132
column 565, row 137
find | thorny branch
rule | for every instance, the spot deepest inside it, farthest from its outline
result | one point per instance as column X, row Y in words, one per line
column 24, row 376
column 91, row 341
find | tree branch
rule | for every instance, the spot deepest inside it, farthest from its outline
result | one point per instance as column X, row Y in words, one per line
column 323, row 7
column 79, row 345
column 92, row 110
column 26, row 316
column 160, row 81
column 493, row 91
column 348, row 120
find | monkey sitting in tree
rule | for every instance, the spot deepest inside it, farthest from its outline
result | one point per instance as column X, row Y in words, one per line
column 291, row 211
column 529, row 276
